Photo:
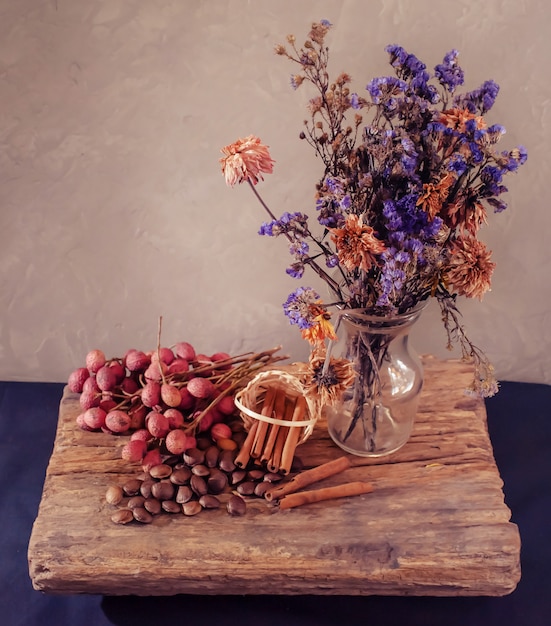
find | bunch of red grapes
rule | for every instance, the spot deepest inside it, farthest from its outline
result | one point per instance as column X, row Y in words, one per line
column 162, row 398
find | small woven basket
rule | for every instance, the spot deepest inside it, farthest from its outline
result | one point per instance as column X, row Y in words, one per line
column 250, row 399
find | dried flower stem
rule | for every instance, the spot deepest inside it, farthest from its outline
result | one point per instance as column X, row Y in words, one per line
column 310, row 261
column 484, row 382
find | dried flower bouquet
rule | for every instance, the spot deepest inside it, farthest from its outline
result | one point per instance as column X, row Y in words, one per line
column 410, row 171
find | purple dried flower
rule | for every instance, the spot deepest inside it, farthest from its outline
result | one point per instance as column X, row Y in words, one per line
column 297, row 307
column 495, row 132
column 296, row 270
column 497, row 204
column 519, row 154
column 448, row 73
column 294, row 223
column 299, row 248
column 457, row 164
column 382, row 89
column 480, row 100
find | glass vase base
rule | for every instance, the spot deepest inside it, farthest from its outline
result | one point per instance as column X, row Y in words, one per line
column 386, row 437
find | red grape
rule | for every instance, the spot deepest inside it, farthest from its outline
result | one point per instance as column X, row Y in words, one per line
column 142, row 434
column 106, row 378
column 178, row 366
column 157, row 424
column 175, row 418
column 137, row 361
column 151, row 394
column 152, row 458
column 164, row 354
column 81, row 423
column 153, row 372
column 119, row 369
column 77, row 379
column 94, row 418
column 222, row 356
column 220, row 431
column 129, row 385
column 185, row 350
column 187, row 401
column 89, row 399
column 177, row 441
column 226, row 405
column 170, row 395
column 201, row 387
column 134, row 451
column 94, row 360
column 117, row 421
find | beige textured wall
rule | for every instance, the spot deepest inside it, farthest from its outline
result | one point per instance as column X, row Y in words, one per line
column 113, row 209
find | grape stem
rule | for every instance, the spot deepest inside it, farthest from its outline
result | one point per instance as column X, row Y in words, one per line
column 159, row 350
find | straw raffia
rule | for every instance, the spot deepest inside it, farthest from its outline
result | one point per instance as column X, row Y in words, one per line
column 249, row 401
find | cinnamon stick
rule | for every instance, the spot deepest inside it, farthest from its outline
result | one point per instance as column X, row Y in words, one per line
column 279, row 413
column 327, row 493
column 262, row 428
column 245, row 453
column 275, row 460
column 308, row 477
column 292, row 437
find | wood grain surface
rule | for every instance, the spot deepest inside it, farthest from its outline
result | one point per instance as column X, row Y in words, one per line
column 435, row 524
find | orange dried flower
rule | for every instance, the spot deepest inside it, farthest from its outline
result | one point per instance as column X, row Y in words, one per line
column 319, row 30
column 470, row 268
column 467, row 213
column 315, row 105
column 321, row 328
column 246, row 159
column 457, row 118
column 343, row 79
column 356, row 244
column 435, row 194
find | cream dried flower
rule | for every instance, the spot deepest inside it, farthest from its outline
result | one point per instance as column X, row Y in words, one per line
column 246, row 159
column 327, row 382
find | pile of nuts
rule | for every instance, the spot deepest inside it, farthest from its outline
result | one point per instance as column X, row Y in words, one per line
column 203, row 477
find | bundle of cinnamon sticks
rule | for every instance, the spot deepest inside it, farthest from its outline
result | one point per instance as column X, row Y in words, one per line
column 273, row 437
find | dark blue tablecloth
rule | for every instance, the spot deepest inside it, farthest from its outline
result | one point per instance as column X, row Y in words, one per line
column 520, row 428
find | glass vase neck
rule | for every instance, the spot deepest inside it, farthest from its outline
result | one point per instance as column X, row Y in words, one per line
column 367, row 318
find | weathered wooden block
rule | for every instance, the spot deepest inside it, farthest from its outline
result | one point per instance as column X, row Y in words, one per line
column 436, row 523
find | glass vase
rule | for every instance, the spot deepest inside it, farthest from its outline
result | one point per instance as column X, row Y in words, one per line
column 376, row 413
